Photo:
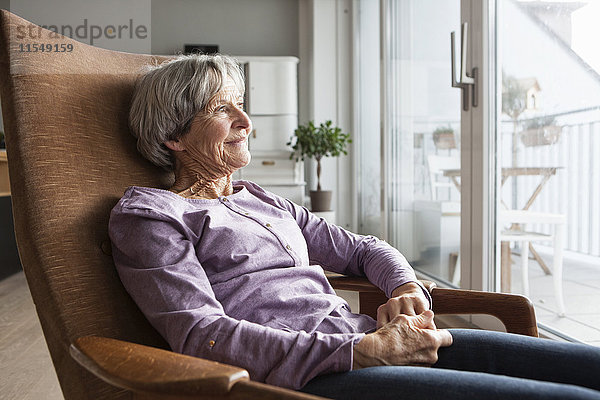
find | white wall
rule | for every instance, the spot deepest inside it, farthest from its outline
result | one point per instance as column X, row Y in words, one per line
column 110, row 24
column 367, row 121
column 239, row 27
column 326, row 91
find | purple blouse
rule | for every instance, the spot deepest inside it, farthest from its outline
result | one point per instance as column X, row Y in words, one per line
column 238, row 279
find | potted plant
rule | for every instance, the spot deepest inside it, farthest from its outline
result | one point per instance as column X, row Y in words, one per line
column 443, row 138
column 540, row 131
column 318, row 142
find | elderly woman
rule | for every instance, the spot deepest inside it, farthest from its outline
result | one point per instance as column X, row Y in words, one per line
column 227, row 271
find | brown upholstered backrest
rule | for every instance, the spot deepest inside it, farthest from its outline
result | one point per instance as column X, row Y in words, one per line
column 71, row 157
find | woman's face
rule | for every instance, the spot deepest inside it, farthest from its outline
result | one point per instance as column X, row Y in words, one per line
column 218, row 136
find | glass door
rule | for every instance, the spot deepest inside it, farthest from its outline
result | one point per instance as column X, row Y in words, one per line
column 548, row 138
column 421, row 140
column 506, row 187
column 422, row 135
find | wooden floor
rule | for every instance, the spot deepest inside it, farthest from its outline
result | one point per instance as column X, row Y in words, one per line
column 26, row 371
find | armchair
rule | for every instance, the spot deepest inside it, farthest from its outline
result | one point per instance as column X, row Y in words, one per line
column 70, row 158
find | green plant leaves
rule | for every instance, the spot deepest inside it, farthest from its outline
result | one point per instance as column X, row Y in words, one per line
column 315, row 142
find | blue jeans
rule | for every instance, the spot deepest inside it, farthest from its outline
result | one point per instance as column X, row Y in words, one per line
column 479, row 365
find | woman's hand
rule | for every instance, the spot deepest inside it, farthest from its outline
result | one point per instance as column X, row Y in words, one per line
column 407, row 299
column 406, row 340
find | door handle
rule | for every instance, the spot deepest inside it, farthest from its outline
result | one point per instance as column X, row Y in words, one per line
column 466, row 80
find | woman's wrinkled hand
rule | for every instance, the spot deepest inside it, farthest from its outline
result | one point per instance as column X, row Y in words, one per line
column 406, row 340
column 407, row 299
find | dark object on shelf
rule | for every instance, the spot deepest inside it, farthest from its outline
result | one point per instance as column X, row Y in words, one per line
column 201, row 49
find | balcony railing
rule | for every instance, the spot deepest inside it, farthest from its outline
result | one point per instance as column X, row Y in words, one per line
column 575, row 189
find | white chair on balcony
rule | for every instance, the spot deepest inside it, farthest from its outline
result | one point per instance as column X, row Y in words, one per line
column 437, row 165
column 521, row 235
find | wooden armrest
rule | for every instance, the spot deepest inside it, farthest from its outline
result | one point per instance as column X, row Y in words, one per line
column 154, row 372
column 515, row 311
column 147, row 369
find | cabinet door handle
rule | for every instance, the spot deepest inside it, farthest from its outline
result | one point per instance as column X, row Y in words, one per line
column 268, row 163
column 254, row 133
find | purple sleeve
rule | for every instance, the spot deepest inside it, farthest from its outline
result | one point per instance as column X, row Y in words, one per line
column 344, row 252
column 338, row 250
column 157, row 264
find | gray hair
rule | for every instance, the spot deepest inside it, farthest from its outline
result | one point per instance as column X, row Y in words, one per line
column 168, row 96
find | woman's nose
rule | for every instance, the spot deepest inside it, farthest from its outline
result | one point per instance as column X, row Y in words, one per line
column 242, row 120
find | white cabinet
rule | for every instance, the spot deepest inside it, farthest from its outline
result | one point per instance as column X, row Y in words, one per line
column 275, row 169
column 272, row 132
column 271, row 84
column 272, row 104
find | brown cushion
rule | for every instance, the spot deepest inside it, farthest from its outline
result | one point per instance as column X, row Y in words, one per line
column 71, row 157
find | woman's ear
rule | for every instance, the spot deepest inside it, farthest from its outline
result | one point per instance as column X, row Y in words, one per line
column 174, row 145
